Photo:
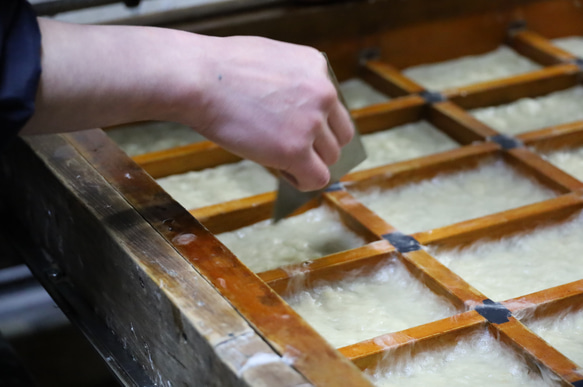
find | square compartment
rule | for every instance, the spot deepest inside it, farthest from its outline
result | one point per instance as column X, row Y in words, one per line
column 500, row 63
column 520, row 264
column 219, row 184
column 404, row 142
column 572, row 44
column 569, row 160
column 528, row 114
column 315, row 233
column 453, row 197
column 475, row 360
column 564, row 331
column 361, row 307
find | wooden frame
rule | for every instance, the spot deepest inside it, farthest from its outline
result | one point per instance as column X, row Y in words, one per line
column 138, row 257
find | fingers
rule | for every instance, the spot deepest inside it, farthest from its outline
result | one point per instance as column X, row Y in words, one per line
column 326, row 145
column 340, row 123
column 308, row 173
column 311, row 172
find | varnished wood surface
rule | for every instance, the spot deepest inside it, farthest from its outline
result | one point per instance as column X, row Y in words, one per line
column 503, row 223
column 402, row 34
column 546, row 173
column 458, row 124
column 183, row 159
column 503, row 91
column 414, row 170
column 135, row 281
column 388, row 79
column 275, row 321
column 389, row 114
column 371, row 353
column 537, row 350
column 556, row 137
column 538, row 48
column 331, row 268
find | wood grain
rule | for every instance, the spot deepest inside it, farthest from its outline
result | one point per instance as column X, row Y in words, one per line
column 281, row 327
column 136, row 282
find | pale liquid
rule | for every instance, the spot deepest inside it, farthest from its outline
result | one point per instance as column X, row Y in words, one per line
column 570, row 161
column 564, row 332
column 313, row 234
column 215, row 185
column 522, row 264
column 529, row 114
column 403, row 143
column 360, row 308
column 150, row 137
column 572, row 44
column 476, row 361
column 500, row 63
column 452, row 198
column 359, row 94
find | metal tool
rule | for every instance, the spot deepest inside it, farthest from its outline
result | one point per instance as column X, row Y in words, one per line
column 290, row 199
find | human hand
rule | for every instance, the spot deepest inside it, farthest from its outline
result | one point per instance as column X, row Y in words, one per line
column 273, row 103
column 268, row 101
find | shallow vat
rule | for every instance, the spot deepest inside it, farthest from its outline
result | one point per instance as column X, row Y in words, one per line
column 500, row 63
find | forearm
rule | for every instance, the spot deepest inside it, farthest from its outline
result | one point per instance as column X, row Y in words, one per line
column 95, row 76
column 267, row 101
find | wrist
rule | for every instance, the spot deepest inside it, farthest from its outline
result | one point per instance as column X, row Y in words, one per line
column 183, row 78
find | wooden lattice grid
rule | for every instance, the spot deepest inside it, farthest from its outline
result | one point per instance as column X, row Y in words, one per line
column 445, row 109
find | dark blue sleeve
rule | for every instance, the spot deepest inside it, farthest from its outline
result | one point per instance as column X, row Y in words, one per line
column 20, row 66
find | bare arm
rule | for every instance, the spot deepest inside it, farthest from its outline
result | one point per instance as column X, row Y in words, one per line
column 267, row 101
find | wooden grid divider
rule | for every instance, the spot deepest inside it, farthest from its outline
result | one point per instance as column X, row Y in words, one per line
column 388, row 114
column 388, row 79
column 554, row 137
column 280, row 325
column 539, row 48
column 331, row 268
column 544, row 171
column 538, row 351
column 532, row 84
column 422, row 168
column 459, row 125
column 357, row 215
column 547, row 302
column 502, row 223
column 192, row 157
column 441, row 280
column 449, row 115
column 370, row 353
column 234, row 214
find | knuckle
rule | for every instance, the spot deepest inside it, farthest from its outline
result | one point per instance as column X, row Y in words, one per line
column 333, row 155
column 328, row 94
column 321, row 178
column 291, row 150
column 346, row 136
column 314, row 123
